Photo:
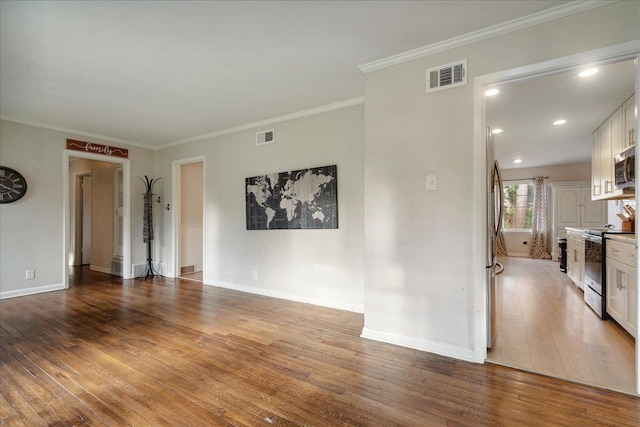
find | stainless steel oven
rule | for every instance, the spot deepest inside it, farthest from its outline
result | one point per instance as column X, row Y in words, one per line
column 594, row 290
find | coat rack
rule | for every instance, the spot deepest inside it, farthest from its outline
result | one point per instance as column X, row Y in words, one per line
column 147, row 225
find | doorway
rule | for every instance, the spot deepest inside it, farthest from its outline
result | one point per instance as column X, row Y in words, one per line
column 531, row 73
column 96, row 213
column 82, row 218
column 189, row 218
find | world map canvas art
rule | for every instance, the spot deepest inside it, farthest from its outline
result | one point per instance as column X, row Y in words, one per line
column 300, row 199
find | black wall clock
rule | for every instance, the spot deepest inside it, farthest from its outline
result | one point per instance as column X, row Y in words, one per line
column 12, row 185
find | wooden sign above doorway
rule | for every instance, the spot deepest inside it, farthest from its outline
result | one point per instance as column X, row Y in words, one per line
column 91, row 147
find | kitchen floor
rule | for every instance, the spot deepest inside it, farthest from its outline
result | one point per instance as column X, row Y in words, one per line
column 544, row 326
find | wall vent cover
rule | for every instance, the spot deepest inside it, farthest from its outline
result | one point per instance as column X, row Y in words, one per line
column 265, row 137
column 447, row 76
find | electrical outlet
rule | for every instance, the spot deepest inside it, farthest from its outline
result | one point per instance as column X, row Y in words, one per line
column 30, row 274
column 255, row 274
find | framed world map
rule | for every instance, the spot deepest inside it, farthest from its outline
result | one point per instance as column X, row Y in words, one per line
column 300, row 199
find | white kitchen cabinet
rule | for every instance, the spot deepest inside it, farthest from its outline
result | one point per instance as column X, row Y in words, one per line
column 572, row 207
column 622, row 284
column 596, row 189
column 575, row 256
column 610, row 139
column 630, row 114
column 609, row 144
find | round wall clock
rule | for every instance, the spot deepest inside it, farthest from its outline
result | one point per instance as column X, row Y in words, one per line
column 12, row 185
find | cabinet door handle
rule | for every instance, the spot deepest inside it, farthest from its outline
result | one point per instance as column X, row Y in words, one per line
column 632, row 132
column 619, row 279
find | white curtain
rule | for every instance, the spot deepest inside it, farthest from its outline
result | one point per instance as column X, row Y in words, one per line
column 539, row 228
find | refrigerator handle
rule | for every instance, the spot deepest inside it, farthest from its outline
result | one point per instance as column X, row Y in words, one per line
column 496, row 168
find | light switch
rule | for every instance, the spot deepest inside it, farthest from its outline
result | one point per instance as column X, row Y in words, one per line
column 432, row 182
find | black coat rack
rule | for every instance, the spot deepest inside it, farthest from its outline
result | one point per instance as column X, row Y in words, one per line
column 147, row 225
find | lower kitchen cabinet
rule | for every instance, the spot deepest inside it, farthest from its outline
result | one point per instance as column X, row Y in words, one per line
column 575, row 256
column 622, row 285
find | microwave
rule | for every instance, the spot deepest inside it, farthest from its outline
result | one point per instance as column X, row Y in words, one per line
column 624, row 165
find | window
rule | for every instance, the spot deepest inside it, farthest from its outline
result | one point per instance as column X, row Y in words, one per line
column 518, row 206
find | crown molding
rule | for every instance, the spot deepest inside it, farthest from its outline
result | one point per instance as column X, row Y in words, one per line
column 485, row 33
column 310, row 112
column 77, row 132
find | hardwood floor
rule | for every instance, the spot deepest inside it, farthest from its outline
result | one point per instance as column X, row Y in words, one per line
column 543, row 325
column 168, row 352
column 196, row 276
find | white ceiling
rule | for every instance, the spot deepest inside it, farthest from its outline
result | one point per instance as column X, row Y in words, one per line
column 158, row 72
column 526, row 110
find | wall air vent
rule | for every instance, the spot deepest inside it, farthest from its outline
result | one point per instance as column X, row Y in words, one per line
column 447, row 76
column 265, row 137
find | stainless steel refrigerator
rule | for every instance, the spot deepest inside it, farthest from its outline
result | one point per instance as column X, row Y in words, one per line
column 495, row 205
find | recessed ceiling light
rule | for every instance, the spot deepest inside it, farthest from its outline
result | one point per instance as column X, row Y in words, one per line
column 497, row 131
column 559, row 122
column 517, row 161
column 492, row 92
column 588, row 72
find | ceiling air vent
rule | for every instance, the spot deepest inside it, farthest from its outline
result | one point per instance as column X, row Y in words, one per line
column 447, row 76
column 265, row 137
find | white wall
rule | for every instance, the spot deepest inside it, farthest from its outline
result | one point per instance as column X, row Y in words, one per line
column 421, row 271
column 324, row 267
column 36, row 220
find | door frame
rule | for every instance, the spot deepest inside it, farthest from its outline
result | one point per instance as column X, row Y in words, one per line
column 624, row 51
column 175, row 214
column 68, row 193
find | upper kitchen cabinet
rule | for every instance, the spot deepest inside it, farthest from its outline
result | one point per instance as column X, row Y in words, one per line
column 615, row 135
column 630, row 114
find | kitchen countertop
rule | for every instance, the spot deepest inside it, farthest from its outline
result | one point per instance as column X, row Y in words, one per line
column 574, row 229
column 625, row 238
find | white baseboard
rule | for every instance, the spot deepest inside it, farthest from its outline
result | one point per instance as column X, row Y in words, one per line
column 99, row 269
column 137, row 269
column 436, row 347
column 31, row 291
column 287, row 296
column 518, row 254
column 161, row 268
